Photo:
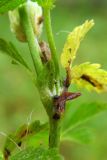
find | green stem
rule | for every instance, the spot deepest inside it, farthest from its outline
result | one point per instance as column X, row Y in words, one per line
column 32, row 40
column 54, row 133
column 51, row 40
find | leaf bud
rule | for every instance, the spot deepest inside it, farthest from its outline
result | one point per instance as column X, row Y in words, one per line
column 36, row 18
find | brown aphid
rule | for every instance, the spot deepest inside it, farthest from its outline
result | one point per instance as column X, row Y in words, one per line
column 40, row 20
column 46, row 53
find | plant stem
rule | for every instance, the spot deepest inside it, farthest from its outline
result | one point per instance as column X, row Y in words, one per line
column 32, row 40
column 51, row 40
column 54, row 133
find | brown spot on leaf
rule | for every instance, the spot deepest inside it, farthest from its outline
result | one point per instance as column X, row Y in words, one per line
column 23, row 133
column 70, row 50
column 67, row 81
column 19, row 144
column 92, row 81
column 6, row 154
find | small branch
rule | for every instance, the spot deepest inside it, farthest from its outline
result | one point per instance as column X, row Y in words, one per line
column 51, row 40
column 32, row 40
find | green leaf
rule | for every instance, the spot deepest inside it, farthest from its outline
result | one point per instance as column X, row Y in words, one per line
column 9, row 49
column 40, row 138
column 49, row 4
column 6, row 5
column 81, row 135
column 17, row 139
column 82, row 114
column 37, row 154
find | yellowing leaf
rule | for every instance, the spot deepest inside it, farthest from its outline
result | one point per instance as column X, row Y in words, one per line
column 89, row 76
column 73, row 43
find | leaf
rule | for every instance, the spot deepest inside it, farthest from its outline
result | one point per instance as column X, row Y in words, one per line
column 37, row 154
column 9, row 49
column 49, row 4
column 6, row 5
column 73, row 42
column 40, row 138
column 82, row 114
column 80, row 135
column 22, row 134
column 89, row 76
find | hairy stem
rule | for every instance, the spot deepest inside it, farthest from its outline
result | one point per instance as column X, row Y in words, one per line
column 31, row 39
column 51, row 40
column 54, row 133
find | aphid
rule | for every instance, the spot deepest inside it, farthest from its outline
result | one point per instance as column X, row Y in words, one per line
column 46, row 54
column 40, row 20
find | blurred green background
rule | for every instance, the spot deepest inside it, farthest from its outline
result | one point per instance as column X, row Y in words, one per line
column 18, row 95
